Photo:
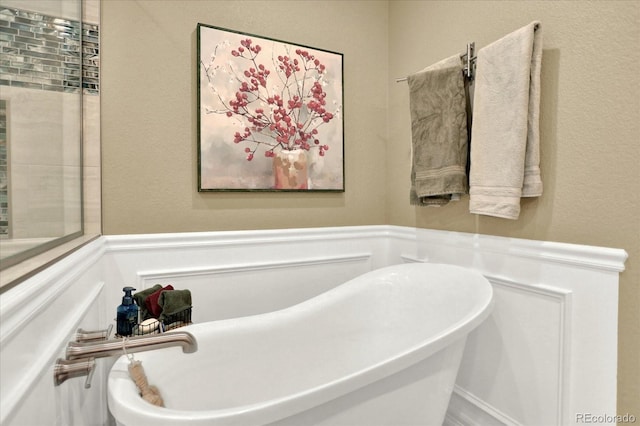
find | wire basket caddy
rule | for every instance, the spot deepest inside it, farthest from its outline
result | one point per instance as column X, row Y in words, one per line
column 168, row 322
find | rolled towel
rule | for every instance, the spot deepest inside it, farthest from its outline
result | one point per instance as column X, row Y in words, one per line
column 173, row 304
column 505, row 153
column 151, row 302
column 437, row 101
column 141, row 296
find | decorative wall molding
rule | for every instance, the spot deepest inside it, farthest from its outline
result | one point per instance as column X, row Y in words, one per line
column 229, row 290
column 533, row 335
column 27, row 301
column 31, row 372
column 145, row 277
column 565, row 295
column 37, row 318
column 466, row 409
column 143, row 242
column 562, row 296
column 590, row 257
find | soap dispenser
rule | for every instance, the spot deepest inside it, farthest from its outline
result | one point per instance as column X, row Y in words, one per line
column 127, row 316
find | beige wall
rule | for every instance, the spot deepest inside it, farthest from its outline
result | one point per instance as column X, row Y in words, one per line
column 148, row 60
column 590, row 126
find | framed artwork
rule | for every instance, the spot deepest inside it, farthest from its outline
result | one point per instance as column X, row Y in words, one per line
column 269, row 114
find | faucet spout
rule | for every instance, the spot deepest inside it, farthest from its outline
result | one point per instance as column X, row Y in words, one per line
column 113, row 347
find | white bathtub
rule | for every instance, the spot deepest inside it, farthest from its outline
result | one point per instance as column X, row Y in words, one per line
column 381, row 349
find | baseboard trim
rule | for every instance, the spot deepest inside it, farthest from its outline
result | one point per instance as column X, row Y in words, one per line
column 465, row 409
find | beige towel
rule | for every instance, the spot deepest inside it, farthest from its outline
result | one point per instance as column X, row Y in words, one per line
column 505, row 157
column 437, row 102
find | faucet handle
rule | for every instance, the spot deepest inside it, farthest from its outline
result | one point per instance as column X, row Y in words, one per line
column 65, row 369
column 92, row 369
column 93, row 335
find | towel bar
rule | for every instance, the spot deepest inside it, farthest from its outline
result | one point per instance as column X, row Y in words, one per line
column 469, row 63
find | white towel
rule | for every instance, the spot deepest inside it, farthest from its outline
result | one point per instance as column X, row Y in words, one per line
column 505, row 140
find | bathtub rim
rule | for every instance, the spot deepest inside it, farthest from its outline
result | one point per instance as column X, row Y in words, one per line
column 268, row 411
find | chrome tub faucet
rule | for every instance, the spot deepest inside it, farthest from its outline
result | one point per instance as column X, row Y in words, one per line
column 80, row 355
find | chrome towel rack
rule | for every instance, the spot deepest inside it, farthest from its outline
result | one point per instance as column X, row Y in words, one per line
column 469, row 59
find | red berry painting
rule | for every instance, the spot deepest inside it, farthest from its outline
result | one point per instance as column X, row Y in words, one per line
column 270, row 114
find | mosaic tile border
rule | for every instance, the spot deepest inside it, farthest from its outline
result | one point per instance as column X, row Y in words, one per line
column 4, row 172
column 48, row 53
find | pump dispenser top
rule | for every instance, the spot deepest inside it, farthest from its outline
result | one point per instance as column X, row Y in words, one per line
column 128, row 298
column 127, row 314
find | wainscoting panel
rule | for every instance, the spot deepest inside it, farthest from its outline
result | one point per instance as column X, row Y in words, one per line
column 228, row 291
column 547, row 353
column 549, row 350
column 527, row 365
column 38, row 318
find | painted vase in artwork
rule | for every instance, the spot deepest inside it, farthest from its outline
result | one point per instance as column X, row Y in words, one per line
column 290, row 169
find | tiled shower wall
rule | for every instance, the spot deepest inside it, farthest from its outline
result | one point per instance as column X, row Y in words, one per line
column 44, row 53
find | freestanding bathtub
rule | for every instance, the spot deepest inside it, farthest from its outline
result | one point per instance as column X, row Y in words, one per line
column 381, row 349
